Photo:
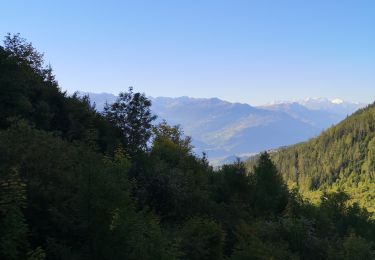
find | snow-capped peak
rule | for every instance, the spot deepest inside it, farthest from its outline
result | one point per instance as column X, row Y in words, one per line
column 337, row 101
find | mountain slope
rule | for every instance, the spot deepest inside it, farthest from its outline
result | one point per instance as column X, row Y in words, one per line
column 224, row 130
column 319, row 118
column 342, row 157
column 70, row 187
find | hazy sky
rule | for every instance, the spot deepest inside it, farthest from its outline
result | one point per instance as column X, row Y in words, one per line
column 246, row 51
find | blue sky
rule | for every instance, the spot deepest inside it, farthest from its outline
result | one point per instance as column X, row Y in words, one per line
column 245, row 51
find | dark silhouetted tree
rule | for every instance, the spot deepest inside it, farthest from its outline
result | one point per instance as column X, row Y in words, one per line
column 132, row 114
column 271, row 194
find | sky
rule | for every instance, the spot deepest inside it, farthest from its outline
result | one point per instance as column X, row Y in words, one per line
column 253, row 52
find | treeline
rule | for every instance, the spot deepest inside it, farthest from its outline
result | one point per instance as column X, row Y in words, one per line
column 342, row 158
column 77, row 184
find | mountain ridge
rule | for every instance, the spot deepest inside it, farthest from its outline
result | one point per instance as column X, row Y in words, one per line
column 340, row 158
column 224, row 129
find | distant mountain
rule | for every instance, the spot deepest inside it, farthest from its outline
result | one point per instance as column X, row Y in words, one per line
column 224, row 130
column 341, row 158
column 319, row 112
column 100, row 99
column 336, row 105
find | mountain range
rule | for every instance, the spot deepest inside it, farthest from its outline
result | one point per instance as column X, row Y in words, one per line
column 225, row 130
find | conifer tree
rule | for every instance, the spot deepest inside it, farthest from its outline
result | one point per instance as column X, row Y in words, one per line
column 271, row 194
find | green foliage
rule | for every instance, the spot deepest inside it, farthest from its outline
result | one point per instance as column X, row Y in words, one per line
column 251, row 246
column 29, row 91
column 175, row 183
column 165, row 135
column 37, row 254
column 75, row 184
column 79, row 202
column 13, row 232
column 26, row 54
column 131, row 113
column 357, row 248
column 202, row 238
column 341, row 158
column 271, row 194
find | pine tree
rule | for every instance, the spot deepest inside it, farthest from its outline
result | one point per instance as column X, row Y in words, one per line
column 271, row 194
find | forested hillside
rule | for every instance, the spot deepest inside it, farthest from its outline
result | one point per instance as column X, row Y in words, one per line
column 78, row 184
column 341, row 158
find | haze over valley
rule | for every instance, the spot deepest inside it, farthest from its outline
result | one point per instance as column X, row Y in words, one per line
column 187, row 130
column 225, row 130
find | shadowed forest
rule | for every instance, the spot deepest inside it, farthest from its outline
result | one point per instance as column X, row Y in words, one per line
column 79, row 184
